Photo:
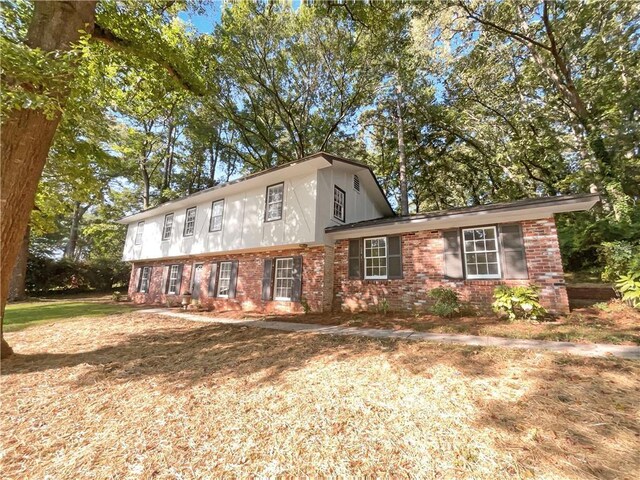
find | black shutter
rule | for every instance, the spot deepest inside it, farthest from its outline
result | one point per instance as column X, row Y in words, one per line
column 213, row 279
column 234, row 279
column 452, row 254
column 394, row 257
column 514, row 261
column 355, row 268
column 179, row 285
column 267, row 279
column 165, row 278
column 139, row 279
column 296, row 291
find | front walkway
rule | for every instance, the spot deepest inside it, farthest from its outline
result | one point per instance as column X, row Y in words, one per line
column 584, row 349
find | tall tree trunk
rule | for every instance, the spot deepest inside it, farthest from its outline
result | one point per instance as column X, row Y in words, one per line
column 402, row 160
column 18, row 284
column 146, row 186
column 72, row 243
column 26, row 134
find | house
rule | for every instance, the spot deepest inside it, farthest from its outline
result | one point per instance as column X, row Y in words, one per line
column 319, row 233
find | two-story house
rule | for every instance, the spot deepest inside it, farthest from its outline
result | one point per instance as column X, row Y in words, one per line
column 320, row 232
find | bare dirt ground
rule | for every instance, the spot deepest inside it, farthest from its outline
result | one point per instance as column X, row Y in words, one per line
column 143, row 396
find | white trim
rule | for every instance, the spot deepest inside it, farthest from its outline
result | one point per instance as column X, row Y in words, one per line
column 275, row 280
column 213, row 206
column 166, row 238
column 139, row 233
column 220, row 277
column 186, row 221
column 177, row 279
column 486, row 276
column 142, row 279
column 386, row 261
column 193, row 275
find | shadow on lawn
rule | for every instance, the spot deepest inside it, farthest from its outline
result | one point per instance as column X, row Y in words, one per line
column 573, row 403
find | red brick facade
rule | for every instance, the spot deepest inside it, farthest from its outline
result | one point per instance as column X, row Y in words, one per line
column 315, row 291
column 423, row 267
column 326, row 286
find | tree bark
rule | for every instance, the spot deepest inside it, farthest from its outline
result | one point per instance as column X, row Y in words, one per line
column 18, row 283
column 402, row 160
column 72, row 243
column 26, row 134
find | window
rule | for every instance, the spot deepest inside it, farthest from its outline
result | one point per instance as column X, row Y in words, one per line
column 481, row 252
column 217, row 210
column 338, row 203
column 273, row 208
column 168, row 226
column 139, row 232
column 190, row 222
column 375, row 258
column 174, row 280
column 224, row 279
column 144, row 279
column 283, row 279
column 356, row 183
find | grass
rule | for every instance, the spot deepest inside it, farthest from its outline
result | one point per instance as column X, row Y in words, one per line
column 147, row 396
column 612, row 322
column 28, row 314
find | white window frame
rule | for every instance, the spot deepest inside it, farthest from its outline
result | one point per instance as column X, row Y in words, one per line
column 487, row 276
column 145, row 279
column 386, row 254
column 221, row 216
column 224, row 282
column 339, row 194
column 139, row 233
column 173, row 269
column 167, row 228
column 277, row 279
column 187, row 222
column 268, row 202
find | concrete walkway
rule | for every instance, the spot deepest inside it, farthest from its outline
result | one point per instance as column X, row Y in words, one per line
column 584, row 349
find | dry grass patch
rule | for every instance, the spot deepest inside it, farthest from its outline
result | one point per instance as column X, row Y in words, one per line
column 139, row 396
column 612, row 322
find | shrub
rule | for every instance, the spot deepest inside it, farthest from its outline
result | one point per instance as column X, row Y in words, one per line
column 383, row 306
column 305, row 305
column 446, row 303
column 518, row 302
column 629, row 287
column 618, row 258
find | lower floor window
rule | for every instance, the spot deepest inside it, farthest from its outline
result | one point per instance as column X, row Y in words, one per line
column 284, row 279
column 224, row 279
column 375, row 258
column 481, row 252
column 173, row 279
column 144, row 279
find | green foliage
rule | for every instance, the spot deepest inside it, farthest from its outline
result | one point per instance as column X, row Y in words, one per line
column 383, row 306
column 518, row 302
column 618, row 258
column 446, row 302
column 629, row 286
column 305, row 305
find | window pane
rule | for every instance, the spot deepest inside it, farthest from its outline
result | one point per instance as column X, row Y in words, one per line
column 493, row 268
column 284, row 279
column 483, row 261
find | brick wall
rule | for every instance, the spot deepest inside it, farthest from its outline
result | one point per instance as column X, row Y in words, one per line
column 249, row 284
column 423, row 267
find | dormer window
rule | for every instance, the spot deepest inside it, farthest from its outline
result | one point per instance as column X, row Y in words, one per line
column 356, row 183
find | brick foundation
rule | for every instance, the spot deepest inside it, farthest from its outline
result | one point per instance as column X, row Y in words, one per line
column 316, row 292
column 423, row 267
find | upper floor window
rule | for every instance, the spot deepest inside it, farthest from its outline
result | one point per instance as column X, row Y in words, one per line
column 274, row 201
column 139, row 233
column 144, row 279
column 375, row 258
column 217, row 212
column 174, row 279
column 356, row 183
column 481, row 252
column 168, row 226
column 190, row 222
column 338, row 203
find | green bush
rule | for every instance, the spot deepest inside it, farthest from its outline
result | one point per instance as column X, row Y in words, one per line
column 619, row 258
column 518, row 302
column 629, row 287
column 446, row 303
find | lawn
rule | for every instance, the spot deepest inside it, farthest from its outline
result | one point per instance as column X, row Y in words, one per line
column 27, row 314
column 612, row 322
column 141, row 396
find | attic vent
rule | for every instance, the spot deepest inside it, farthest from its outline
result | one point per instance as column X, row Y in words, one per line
column 356, row 183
